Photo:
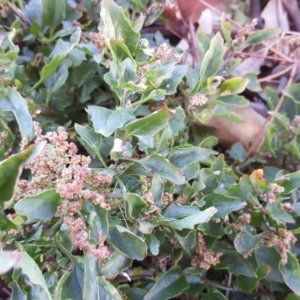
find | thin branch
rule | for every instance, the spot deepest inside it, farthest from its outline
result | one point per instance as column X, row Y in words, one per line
column 262, row 135
column 287, row 59
column 18, row 12
column 229, row 283
column 272, row 76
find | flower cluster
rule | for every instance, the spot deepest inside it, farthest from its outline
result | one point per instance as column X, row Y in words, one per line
column 282, row 241
column 60, row 167
column 241, row 221
column 244, row 32
column 197, row 100
column 98, row 38
column 205, row 258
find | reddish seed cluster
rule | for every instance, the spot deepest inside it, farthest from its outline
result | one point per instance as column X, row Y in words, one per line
column 205, row 258
column 60, row 167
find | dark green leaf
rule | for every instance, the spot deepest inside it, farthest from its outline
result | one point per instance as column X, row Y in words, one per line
column 127, row 242
column 248, row 284
column 289, row 181
column 235, row 100
column 41, row 206
column 182, row 156
column 15, row 103
column 117, row 25
column 236, row 263
column 5, row 223
column 291, row 273
column 223, row 203
column 70, row 285
column 53, row 12
column 160, row 165
column 278, row 214
column 188, row 222
column 146, row 128
column 213, row 58
column 246, row 241
column 31, row 269
column 270, row 257
column 107, row 121
column 115, row 264
column 134, row 205
column 11, row 168
column 169, row 285
column 262, row 35
column 59, row 53
column 238, row 152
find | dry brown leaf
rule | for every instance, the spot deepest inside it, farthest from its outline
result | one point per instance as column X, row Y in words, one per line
column 229, row 132
column 275, row 15
column 191, row 10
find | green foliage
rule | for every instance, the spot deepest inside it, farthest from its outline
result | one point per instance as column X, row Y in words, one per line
column 120, row 197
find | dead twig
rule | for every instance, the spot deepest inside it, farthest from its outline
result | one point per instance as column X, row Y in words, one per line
column 275, row 51
column 260, row 139
column 272, row 76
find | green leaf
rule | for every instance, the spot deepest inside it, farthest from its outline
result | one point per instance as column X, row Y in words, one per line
column 106, row 290
column 107, row 121
column 291, row 273
column 59, row 53
column 178, row 121
column 270, row 257
column 277, row 213
column 292, row 296
column 153, row 244
column 214, row 295
column 161, row 166
column 226, row 29
column 95, row 286
column 169, row 285
column 188, row 222
column 15, row 103
column 10, row 170
column 177, row 211
column 70, row 285
column 115, row 264
column 32, row 271
column 289, row 182
column 41, row 206
column 170, row 80
column 262, row 35
column 117, row 25
column 90, row 282
column 213, row 58
column 225, row 111
column 293, row 91
column 248, row 284
column 238, row 152
column 246, row 241
column 234, row 85
column 127, row 242
column 223, row 203
column 53, row 12
column 146, row 128
column 5, row 223
column 183, row 155
column 236, row 263
column 134, row 205
column 235, row 100
column 93, row 139
column 8, row 259
column 253, row 84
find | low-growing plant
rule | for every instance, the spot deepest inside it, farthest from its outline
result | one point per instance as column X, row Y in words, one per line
column 107, row 189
